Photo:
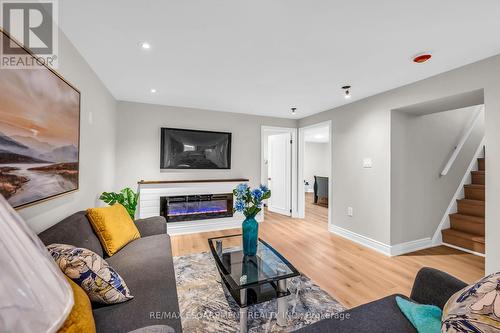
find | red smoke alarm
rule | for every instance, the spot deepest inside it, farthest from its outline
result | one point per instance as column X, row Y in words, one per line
column 422, row 58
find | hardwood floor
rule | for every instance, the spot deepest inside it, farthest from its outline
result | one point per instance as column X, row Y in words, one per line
column 351, row 273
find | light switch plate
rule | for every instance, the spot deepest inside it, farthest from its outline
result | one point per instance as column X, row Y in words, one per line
column 367, row 162
column 350, row 211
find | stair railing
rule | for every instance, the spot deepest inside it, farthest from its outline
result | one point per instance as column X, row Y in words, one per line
column 462, row 141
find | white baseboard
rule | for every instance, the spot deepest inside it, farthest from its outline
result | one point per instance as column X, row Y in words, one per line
column 465, row 250
column 388, row 250
column 411, row 246
column 360, row 239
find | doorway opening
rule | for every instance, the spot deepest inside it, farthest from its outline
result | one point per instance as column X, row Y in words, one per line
column 278, row 168
column 314, row 172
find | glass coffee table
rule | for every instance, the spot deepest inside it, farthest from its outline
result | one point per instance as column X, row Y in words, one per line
column 253, row 279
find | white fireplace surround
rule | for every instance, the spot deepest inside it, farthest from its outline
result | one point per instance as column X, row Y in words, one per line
column 149, row 203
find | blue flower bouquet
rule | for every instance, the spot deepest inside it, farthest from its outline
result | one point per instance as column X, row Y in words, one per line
column 249, row 202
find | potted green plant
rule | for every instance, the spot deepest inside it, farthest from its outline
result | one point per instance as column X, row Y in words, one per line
column 126, row 197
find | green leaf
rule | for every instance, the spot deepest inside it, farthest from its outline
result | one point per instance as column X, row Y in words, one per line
column 126, row 197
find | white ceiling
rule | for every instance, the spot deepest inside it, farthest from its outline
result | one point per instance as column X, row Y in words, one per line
column 318, row 134
column 262, row 57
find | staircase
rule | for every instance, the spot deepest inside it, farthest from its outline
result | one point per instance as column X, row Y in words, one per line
column 467, row 224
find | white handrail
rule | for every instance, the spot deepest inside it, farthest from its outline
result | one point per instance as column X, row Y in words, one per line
column 461, row 143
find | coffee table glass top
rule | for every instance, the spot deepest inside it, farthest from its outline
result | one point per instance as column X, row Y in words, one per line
column 268, row 265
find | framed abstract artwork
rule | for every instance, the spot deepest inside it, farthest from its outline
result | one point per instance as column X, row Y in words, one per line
column 39, row 134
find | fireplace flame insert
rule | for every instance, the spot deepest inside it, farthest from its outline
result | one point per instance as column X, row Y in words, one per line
column 196, row 207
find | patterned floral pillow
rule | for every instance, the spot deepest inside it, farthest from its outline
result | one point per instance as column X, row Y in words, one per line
column 91, row 272
column 475, row 308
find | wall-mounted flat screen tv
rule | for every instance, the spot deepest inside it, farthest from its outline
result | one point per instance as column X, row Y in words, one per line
column 192, row 149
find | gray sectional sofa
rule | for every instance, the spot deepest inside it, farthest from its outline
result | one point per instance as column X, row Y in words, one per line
column 146, row 266
column 431, row 286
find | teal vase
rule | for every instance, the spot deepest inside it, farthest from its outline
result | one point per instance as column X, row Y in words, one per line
column 250, row 236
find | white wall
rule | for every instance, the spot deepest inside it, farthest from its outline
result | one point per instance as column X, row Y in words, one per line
column 316, row 162
column 138, row 141
column 421, row 147
column 362, row 129
column 97, row 143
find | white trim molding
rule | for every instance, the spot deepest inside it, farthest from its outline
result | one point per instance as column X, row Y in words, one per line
column 293, row 178
column 465, row 250
column 361, row 240
column 300, row 169
column 388, row 250
column 411, row 246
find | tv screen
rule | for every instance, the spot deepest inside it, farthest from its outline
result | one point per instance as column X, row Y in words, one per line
column 190, row 149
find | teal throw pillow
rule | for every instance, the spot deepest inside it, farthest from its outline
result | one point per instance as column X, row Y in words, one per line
column 425, row 318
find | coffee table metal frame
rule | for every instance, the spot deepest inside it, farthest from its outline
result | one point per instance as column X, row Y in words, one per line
column 239, row 291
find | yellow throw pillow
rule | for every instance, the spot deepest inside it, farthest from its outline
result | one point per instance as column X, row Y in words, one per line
column 80, row 319
column 113, row 226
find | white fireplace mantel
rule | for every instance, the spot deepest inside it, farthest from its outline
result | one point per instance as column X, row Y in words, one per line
column 151, row 191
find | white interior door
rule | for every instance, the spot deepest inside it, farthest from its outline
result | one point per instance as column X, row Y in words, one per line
column 279, row 173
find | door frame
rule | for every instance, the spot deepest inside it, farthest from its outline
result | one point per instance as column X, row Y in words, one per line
column 265, row 131
column 301, row 202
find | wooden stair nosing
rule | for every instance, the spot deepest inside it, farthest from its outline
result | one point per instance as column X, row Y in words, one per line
column 475, row 186
column 463, row 240
column 468, row 218
column 464, row 235
column 471, row 202
column 468, row 224
column 475, row 192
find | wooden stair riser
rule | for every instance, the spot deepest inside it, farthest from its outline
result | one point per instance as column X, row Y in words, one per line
column 466, row 208
column 478, row 178
column 464, row 225
column 481, row 164
column 474, row 193
column 463, row 243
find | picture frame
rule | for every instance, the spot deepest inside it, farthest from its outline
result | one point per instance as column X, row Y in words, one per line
column 39, row 133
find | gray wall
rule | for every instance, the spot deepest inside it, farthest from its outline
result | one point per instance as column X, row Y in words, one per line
column 420, row 148
column 362, row 129
column 315, row 161
column 97, row 142
column 138, row 141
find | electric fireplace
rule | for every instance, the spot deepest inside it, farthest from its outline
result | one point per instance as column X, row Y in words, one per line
column 196, row 207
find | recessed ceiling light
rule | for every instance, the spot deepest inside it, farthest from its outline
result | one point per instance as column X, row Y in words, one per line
column 421, row 58
column 153, row 90
column 145, row 45
column 347, row 91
